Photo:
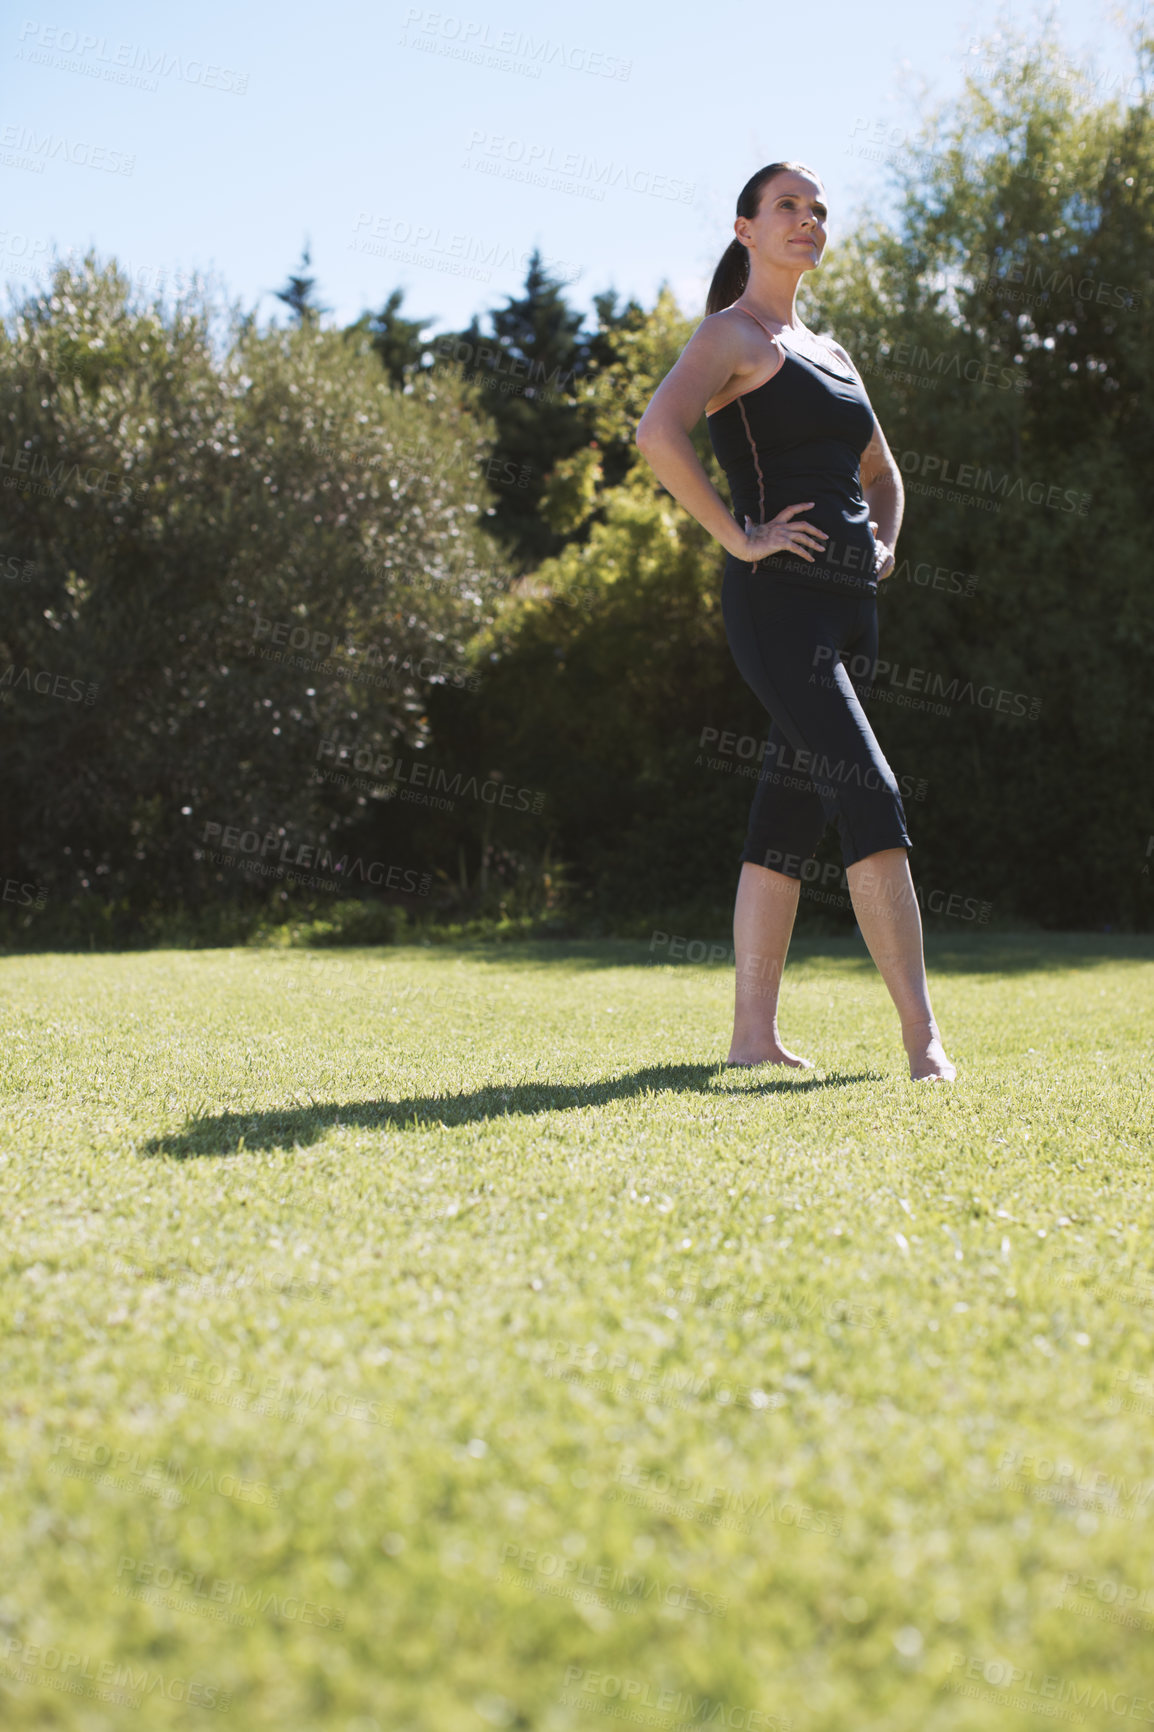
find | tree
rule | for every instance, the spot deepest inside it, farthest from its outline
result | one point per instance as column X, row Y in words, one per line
column 299, row 293
column 1006, row 324
column 530, row 368
column 399, row 342
column 243, row 545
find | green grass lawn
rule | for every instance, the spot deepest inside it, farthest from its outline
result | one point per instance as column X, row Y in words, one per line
column 444, row 1339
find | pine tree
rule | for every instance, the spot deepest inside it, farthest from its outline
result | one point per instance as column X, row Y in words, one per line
column 398, row 341
column 531, row 368
column 298, row 293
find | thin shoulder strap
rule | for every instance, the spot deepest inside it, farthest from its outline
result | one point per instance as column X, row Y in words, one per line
column 776, row 337
column 755, row 319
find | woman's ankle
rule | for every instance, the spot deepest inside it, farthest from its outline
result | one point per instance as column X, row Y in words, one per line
column 921, row 1032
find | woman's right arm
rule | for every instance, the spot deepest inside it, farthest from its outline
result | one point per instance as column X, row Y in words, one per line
column 719, row 353
column 705, row 366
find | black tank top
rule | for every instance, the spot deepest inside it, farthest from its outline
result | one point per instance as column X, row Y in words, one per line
column 800, row 436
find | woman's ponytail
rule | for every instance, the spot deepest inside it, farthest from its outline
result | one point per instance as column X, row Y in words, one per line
column 730, row 277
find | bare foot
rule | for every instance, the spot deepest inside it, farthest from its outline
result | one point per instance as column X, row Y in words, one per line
column 777, row 1054
column 927, row 1055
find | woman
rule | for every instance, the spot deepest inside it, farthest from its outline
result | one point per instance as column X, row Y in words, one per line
column 791, row 425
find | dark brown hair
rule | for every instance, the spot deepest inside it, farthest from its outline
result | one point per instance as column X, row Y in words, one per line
column 732, row 273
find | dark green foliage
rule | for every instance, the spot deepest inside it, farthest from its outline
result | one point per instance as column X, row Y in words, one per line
column 535, row 366
column 1020, row 284
column 299, row 293
column 398, row 341
column 235, row 553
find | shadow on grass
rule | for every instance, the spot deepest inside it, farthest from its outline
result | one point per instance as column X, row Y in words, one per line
column 280, row 1127
column 948, row 951
column 1032, row 953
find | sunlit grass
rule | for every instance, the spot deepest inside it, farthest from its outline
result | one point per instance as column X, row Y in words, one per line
column 442, row 1339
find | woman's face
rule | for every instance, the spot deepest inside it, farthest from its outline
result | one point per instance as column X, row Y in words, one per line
column 789, row 228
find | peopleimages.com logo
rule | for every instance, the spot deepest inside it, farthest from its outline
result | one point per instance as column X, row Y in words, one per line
column 370, row 664
column 45, row 146
column 232, row 1386
column 319, row 856
column 46, row 684
column 158, row 1476
column 1046, row 1693
column 934, row 473
column 13, row 569
column 127, row 63
column 120, row 1681
column 534, row 159
column 473, row 40
column 24, row 895
column 27, row 467
column 938, row 901
column 193, row 1590
column 499, row 360
column 1080, row 1485
column 717, row 1501
column 400, row 771
column 618, row 1589
column 933, row 685
column 790, row 758
column 1034, row 283
column 641, row 1701
column 1107, row 1600
column 912, row 363
column 458, row 252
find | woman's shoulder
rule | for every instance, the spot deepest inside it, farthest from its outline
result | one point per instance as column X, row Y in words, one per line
column 733, row 329
column 732, row 318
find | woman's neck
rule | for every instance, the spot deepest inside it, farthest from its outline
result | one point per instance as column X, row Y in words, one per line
column 774, row 300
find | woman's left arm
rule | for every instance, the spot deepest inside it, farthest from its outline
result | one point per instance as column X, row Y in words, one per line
column 882, row 490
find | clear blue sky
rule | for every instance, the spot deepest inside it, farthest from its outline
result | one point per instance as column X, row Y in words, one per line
column 380, row 130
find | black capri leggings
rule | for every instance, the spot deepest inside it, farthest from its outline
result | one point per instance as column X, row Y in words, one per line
column 822, row 763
